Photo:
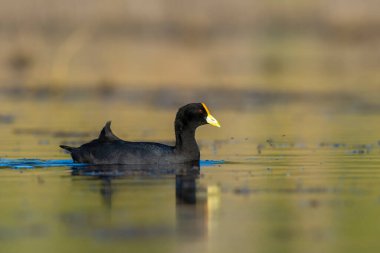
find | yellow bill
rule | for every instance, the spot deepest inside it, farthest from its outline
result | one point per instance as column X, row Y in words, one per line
column 210, row 119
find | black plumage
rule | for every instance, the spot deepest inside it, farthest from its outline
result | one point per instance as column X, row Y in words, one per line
column 109, row 149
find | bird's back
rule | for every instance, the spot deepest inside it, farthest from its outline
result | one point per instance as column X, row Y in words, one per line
column 122, row 152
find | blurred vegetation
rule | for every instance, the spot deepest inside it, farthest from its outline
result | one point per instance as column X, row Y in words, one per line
column 287, row 45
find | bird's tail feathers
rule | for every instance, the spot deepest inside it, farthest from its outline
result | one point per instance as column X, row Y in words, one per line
column 68, row 148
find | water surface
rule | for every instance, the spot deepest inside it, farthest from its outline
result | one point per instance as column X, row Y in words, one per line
column 294, row 178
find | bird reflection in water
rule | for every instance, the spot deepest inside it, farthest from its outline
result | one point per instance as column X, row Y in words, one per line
column 191, row 211
column 185, row 175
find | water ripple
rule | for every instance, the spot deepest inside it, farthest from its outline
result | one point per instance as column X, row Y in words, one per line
column 38, row 163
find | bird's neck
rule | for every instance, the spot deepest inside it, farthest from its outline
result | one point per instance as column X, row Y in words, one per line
column 185, row 141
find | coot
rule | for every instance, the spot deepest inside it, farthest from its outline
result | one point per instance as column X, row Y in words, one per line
column 109, row 149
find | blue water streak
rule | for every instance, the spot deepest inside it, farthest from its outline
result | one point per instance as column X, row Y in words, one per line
column 210, row 163
column 35, row 163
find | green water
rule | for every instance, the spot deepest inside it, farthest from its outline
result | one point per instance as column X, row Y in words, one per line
column 296, row 178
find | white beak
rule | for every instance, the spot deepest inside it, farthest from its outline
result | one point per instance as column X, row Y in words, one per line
column 212, row 121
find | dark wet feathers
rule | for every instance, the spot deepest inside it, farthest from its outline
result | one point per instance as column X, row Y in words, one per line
column 110, row 149
column 106, row 134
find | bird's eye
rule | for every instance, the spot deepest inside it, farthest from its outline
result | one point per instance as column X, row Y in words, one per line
column 200, row 111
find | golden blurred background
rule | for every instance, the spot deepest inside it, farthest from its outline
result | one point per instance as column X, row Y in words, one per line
column 293, row 45
column 294, row 84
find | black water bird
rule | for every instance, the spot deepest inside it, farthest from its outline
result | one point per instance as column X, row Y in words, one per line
column 109, row 149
